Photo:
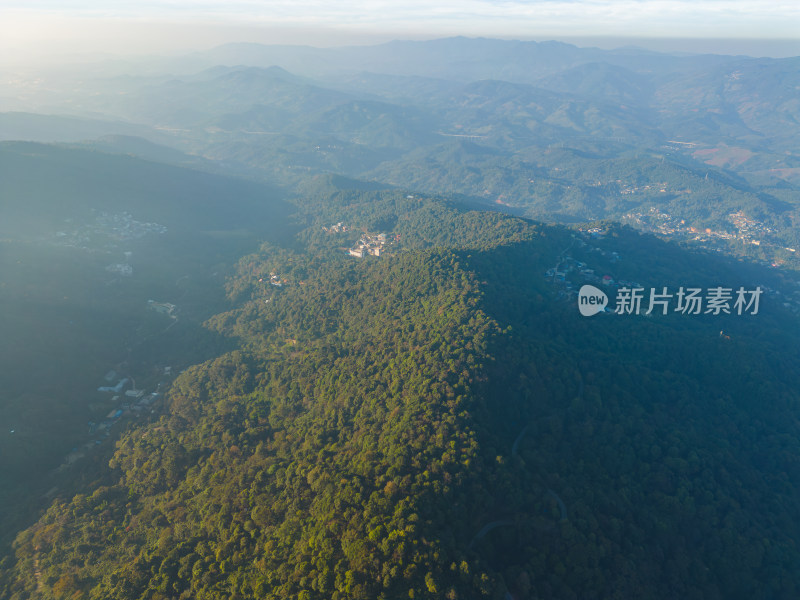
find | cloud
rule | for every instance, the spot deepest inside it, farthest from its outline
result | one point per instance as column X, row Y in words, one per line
column 595, row 15
column 710, row 18
column 117, row 25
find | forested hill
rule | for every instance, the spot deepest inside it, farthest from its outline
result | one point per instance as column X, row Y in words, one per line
column 437, row 423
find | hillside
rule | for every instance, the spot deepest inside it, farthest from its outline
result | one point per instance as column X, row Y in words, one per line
column 440, row 422
column 277, row 323
column 94, row 250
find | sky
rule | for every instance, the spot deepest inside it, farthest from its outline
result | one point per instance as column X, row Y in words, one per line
column 46, row 29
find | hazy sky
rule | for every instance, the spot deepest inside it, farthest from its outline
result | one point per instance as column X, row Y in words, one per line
column 30, row 28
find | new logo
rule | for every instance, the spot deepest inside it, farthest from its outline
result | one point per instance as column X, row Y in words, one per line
column 591, row 300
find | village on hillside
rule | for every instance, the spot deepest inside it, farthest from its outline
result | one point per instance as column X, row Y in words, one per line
column 113, row 227
column 569, row 274
column 369, row 244
column 748, row 231
column 126, row 400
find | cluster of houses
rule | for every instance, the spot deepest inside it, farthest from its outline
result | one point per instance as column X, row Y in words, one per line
column 126, row 402
column 133, row 400
column 338, row 228
column 130, row 401
column 569, row 265
column 369, row 244
column 595, row 232
column 748, row 230
column 570, row 268
column 657, row 221
column 122, row 226
column 627, row 189
column 748, row 227
column 118, row 227
column 569, row 274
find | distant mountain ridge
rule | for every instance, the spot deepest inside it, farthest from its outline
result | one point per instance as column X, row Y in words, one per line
column 484, row 118
column 457, row 58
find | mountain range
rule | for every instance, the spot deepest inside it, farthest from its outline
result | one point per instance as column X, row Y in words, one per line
column 284, row 322
column 499, row 121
